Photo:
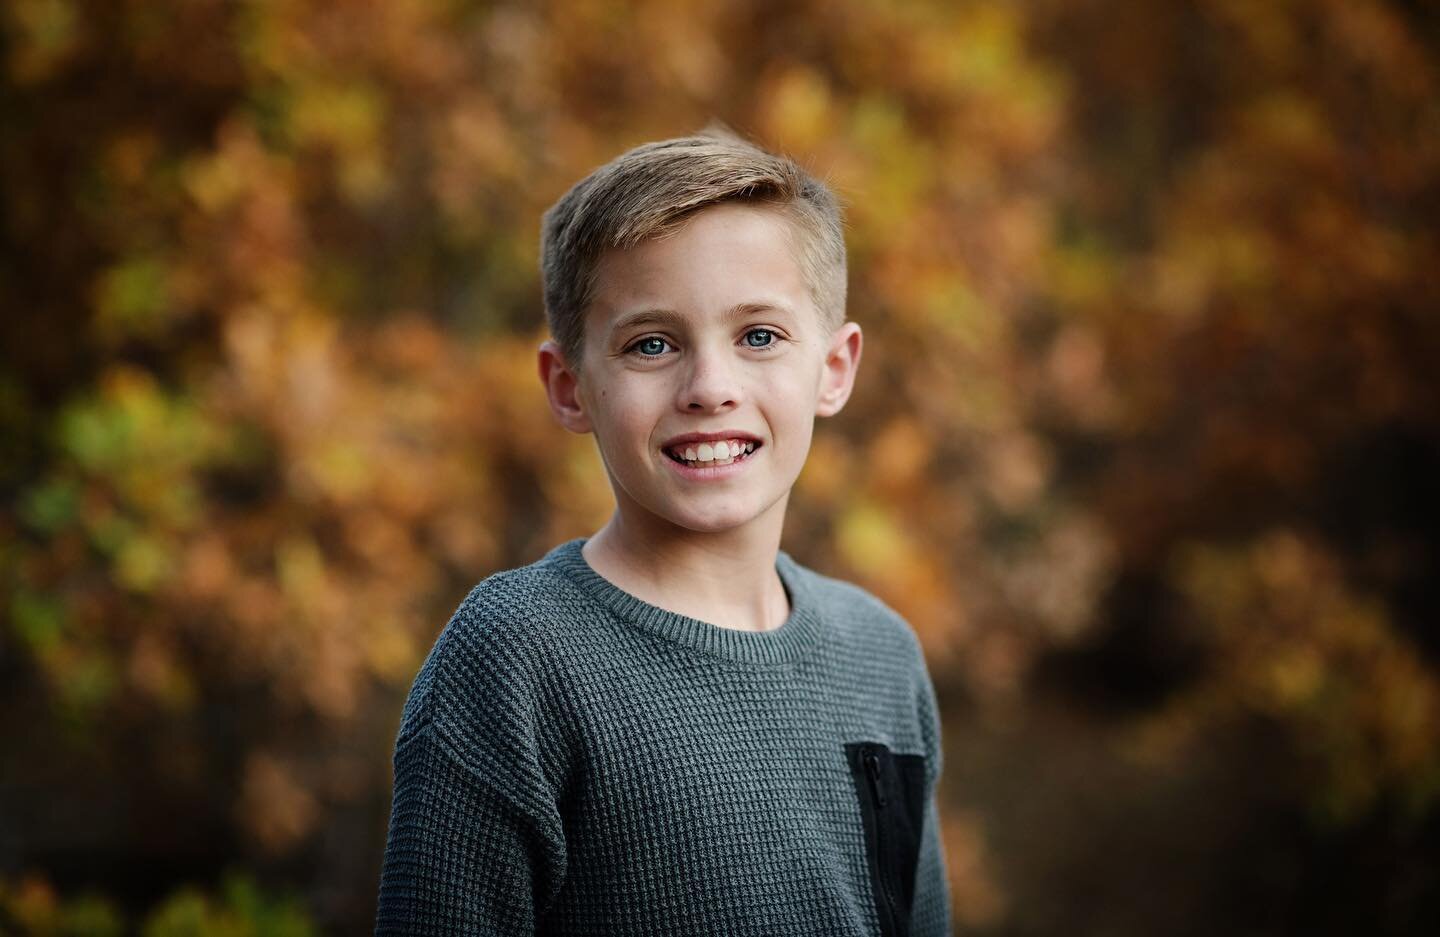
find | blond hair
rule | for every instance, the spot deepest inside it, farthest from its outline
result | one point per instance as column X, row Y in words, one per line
column 650, row 191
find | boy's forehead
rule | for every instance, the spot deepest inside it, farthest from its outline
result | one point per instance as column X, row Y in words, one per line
column 727, row 258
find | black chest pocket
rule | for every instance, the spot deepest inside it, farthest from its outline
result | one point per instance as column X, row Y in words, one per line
column 891, row 789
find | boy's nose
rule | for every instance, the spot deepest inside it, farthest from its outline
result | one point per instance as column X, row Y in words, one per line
column 710, row 382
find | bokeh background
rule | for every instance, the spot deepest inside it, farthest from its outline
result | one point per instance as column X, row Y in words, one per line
column 1145, row 445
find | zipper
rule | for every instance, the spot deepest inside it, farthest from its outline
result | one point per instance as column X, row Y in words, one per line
column 872, row 771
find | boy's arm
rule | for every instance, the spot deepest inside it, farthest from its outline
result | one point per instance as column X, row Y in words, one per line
column 930, row 912
column 460, row 857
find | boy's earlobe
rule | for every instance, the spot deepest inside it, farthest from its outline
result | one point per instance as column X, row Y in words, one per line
column 837, row 378
column 562, row 388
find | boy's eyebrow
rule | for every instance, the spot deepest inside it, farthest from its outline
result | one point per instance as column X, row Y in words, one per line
column 671, row 317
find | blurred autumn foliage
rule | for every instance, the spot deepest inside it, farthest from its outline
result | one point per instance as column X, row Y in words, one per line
column 1145, row 445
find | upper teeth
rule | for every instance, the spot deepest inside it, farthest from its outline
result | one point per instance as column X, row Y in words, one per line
column 725, row 450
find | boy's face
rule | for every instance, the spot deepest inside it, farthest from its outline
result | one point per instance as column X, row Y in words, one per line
column 709, row 330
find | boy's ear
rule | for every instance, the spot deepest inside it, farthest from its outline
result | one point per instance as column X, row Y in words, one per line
column 562, row 388
column 837, row 377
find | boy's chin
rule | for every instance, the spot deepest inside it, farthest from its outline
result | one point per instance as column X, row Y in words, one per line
column 726, row 518
column 667, row 519
column 692, row 512
column 710, row 523
column 718, row 527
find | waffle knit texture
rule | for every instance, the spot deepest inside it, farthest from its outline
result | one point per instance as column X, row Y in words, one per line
column 573, row 760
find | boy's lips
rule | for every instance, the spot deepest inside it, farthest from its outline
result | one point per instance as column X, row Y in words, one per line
column 695, row 439
column 707, row 465
column 677, row 446
column 713, row 470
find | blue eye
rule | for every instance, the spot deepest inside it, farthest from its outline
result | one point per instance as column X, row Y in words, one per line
column 648, row 346
column 765, row 332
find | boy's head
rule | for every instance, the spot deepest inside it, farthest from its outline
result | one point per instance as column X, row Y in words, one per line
column 696, row 295
column 651, row 190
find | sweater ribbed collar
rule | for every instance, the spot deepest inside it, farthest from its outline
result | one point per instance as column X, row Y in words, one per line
column 785, row 644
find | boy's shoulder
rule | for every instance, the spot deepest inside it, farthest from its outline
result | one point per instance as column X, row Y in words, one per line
column 509, row 607
column 888, row 643
column 516, row 606
column 493, row 643
column 860, row 615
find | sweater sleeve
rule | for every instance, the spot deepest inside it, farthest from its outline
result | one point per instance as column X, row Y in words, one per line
column 930, row 913
column 476, row 844
column 459, row 857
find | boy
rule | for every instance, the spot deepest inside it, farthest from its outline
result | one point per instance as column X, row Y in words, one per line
column 673, row 727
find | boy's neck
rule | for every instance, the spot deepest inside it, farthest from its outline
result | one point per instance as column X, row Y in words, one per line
column 726, row 579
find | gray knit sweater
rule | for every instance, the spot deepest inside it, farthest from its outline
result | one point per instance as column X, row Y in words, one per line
column 574, row 760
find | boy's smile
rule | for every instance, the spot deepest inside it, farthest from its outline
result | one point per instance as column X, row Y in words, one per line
column 705, row 364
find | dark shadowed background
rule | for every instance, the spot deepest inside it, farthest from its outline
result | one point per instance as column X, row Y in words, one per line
column 1145, row 443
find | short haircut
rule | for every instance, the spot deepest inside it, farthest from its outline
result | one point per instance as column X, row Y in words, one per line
column 650, row 191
